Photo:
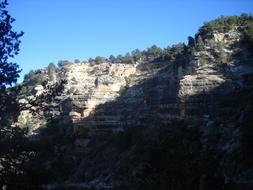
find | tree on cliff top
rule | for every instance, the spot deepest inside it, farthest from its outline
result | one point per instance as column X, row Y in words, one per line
column 52, row 71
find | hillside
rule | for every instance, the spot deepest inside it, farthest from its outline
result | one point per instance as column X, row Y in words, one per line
column 178, row 117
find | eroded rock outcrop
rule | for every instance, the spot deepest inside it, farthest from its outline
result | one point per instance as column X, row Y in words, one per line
column 208, row 87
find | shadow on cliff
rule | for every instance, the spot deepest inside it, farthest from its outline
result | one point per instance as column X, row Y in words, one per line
column 152, row 100
column 156, row 100
column 155, row 103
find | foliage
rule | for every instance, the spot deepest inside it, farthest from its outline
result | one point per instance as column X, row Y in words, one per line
column 112, row 58
column 77, row 61
column 199, row 44
column 62, row 63
column 137, row 55
column 119, row 58
column 224, row 24
column 222, row 56
column 51, row 69
column 203, row 61
column 100, row 59
column 17, row 151
column 90, row 60
column 9, row 46
column 191, row 41
column 28, row 125
column 154, row 52
column 151, row 54
column 15, row 155
column 178, row 50
column 8, row 106
column 123, row 90
column 34, row 78
column 127, row 59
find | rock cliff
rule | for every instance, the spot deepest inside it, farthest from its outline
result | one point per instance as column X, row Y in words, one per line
column 210, row 87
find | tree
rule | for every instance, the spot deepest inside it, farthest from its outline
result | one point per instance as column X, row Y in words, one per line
column 52, row 72
column 222, row 56
column 16, row 151
column 137, row 55
column 77, row 61
column 9, row 46
column 11, row 158
column 191, row 41
column 34, row 78
column 100, row 59
column 120, row 58
column 90, row 60
column 200, row 43
column 127, row 58
column 62, row 63
column 112, row 59
column 173, row 52
column 9, row 72
column 154, row 51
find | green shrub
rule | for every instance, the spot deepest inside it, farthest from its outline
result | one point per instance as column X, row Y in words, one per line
column 51, row 69
column 100, row 59
column 199, row 46
column 62, row 63
column 34, row 78
column 223, row 58
column 123, row 90
column 203, row 61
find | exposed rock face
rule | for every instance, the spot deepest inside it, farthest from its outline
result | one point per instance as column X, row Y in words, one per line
column 203, row 87
column 38, row 90
column 110, row 96
column 91, row 85
column 96, row 88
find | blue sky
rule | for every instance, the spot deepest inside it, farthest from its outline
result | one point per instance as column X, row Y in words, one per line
column 79, row 29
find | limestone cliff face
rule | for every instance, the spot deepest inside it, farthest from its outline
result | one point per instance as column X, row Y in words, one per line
column 203, row 87
column 91, row 85
column 193, row 87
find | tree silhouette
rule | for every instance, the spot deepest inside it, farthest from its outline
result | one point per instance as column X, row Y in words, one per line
column 12, row 156
column 9, row 46
column 9, row 72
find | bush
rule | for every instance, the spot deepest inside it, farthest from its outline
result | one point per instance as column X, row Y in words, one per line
column 123, row 90
column 62, row 63
column 52, row 71
column 224, row 24
column 100, row 59
column 77, row 61
column 203, row 61
column 222, row 56
column 34, row 78
column 200, row 46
